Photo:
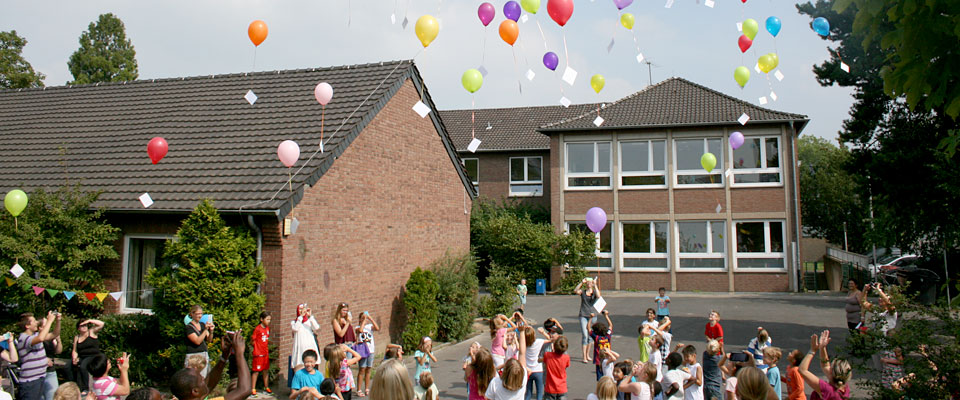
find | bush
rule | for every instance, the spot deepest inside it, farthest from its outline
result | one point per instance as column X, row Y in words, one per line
column 502, row 293
column 572, row 278
column 457, row 296
column 151, row 361
column 420, row 300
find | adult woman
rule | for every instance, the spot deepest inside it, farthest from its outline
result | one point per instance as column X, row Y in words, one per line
column 85, row 346
column 853, row 307
column 838, row 372
column 198, row 334
column 391, row 381
column 341, row 320
column 303, row 327
column 587, row 313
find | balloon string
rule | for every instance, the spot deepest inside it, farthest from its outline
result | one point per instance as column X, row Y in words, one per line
column 614, row 34
column 349, row 12
column 542, row 36
column 255, row 58
column 473, row 116
column 523, row 52
column 483, row 53
column 566, row 55
column 290, row 178
column 516, row 69
column 323, row 115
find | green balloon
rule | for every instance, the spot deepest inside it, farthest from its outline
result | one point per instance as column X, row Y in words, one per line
column 530, row 5
column 472, row 80
column 15, row 201
column 742, row 75
column 708, row 161
column 750, row 28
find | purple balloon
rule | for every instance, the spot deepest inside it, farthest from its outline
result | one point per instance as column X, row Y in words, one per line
column 486, row 12
column 596, row 219
column 621, row 4
column 550, row 60
column 512, row 10
column 736, row 140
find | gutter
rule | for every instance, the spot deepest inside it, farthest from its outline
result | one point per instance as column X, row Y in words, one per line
column 796, row 206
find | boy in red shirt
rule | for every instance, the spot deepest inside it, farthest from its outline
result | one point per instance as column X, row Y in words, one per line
column 556, row 363
column 261, row 355
column 713, row 329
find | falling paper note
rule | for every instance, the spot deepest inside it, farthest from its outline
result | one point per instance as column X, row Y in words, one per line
column 17, row 270
column 773, row 95
column 483, row 71
column 565, row 102
column 524, row 18
column 844, row 67
column 669, row 4
column 250, row 97
column 569, row 76
column 321, row 147
column 708, row 3
column 757, row 68
column 763, row 100
column 421, row 109
column 405, row 22
column 530, row 74
column 146, row 200
column 474, row 145
column 610, row 46
column 600, row 304
column 779, row 75
column 598, row 121
column 739, row 27
column 719, row 208
column 393, row 19
column 743, row 119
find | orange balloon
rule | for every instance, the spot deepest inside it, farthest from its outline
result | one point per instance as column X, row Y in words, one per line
column 257, row 32
column 509, row 31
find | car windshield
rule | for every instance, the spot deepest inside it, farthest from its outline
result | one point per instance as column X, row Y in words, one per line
column 886, row 259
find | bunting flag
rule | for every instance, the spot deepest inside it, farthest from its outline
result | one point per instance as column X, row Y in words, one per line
column 68, row 294
column 10, row 282
column 116, row 295
column 101, row 296
column 37, row 290
column 53, row 292
column 90, row 296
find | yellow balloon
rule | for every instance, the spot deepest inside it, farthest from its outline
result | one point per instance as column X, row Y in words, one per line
column 775, row 58
column 597, row 82
column 766, row 63
column 427, row 29
column 627, row 20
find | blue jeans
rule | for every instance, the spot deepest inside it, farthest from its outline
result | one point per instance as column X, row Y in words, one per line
column 583, row 329
column 32, row 390
column 50, row 385
column 535, row 378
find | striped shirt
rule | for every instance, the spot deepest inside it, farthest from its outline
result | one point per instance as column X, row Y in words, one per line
column 33, row 358
column 105, row 387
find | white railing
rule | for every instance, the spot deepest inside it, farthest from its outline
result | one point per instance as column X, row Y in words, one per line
column 846, row 256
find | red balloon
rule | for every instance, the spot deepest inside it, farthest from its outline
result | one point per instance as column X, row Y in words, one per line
column 744, row 43
column 156, row 149
column 560, row 10
column 743, row 1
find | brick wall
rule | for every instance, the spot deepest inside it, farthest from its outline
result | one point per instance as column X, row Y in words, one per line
column 758, row 199
column 696, row 201
column 578, row 202
column 494, row 176
column 705, row 281
column 644, row 201
column 761, row 282
column 644, row 280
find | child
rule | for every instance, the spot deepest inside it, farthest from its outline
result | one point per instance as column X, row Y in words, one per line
column 261, row 355
column 307, row 379
column 712, row 377
column 329, row 389
column 606, row 390
column 793, row 379
column 756, row 346
column 510, row 385
column 197, row 362
column 621, row 373
column 522, row 293
column 675, row 378
column 511, row 347
column 600, row 334
column 338, row 367
column 892, row 367
column 663, row 303
column 771, row 356
column 365, row 342
column 609, row 359
column 642, row 388
column 643, row 341
column 713, row 329
column 478, row 371
column 423, row 356
column 556, row 363
column 394, row 351
column 107, row 387
column 652, row 319
column 666, row 337
column 498, row 330
column 693, row 388
column 655, row 358
column 426, row 390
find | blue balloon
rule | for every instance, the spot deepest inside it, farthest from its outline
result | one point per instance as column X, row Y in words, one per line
column 773, row 26
column 821, row 26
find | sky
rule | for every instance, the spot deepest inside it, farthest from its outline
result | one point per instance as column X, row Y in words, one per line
column 177, row 38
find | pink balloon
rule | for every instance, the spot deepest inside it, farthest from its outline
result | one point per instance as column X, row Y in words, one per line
column 560, row 10
column 289, row 152
column 486, row 12
column 323, row 92
column 596, row 219
column 736, row 140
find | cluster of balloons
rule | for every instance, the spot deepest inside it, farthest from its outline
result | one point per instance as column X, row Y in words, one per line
column 15, row 201
column 766, row 62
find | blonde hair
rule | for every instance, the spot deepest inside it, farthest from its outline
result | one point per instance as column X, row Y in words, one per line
column 196, row 362
column 650, row 374
column 752, row 384
column 391, row 381
column 336, row 314
column 713, row 346
column 762, row 336
column 841, row 372
column 606, row 389
column 67, row 391
column 771, row 353
column 513, row 374
column 426, row 380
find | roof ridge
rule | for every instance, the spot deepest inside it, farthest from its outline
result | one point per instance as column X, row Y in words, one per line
column 611, row 104
column 744, row 102
column 520, row 107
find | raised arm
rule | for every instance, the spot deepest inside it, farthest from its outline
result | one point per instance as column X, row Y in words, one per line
column 577, row 290
column 606, row 314
column 55, row 332
column 244, row 384
column 123, row 385
column 97, row 325
column 596, row 286
column 198, row 339
column 338, row 328
column 375, row 327
column 42, row 336
column 804, row 369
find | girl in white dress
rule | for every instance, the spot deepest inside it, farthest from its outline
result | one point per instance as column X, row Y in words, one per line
column 303, row 328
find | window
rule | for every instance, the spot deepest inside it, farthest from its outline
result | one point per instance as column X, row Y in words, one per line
column 757, row 161
column 472, row 165
column 643, row 163
column 702, row 244
column 526, row 176
column 588, row 164
column 603, row 242
column 644, row 244
column 142, row 254
column 760, row 244
column 687, row 161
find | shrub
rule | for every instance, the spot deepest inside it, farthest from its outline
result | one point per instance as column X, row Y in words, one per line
column 571, row 278
column 457, row 295
column 420, row 300
column 502, row 294
column 151, row 362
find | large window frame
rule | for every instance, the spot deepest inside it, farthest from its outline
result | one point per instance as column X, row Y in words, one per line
column 604, row 256
column 717, row 173
column 475, row 180
column 651, row 172
column 652, row 254
column 597, row 172
column 712, row 228
column 526, row 182
column 125, row 269
column 764, row 169
column 769, row 245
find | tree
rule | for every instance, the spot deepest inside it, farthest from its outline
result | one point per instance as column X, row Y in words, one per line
column 105, row 53
column 830, row 205
column 15, row 71
column 420, row 300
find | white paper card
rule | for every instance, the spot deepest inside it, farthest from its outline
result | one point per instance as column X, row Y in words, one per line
column 743, row 119
column 773, row 95
column 763, row 100
column 569, row 76
column 598, row 121
column 524, row 18
column 483, row 71
column 757, row 68
column 610, row 46
column 739, row 26
column 728, row 173
column 251, row 97
column 474, row 145
column 405, row 22
column 321, row 147
column 844, row 67
column 708, row 3
column 530, row 74
column 146, row 200
column 421, row 109
column 565, row 102
column 779, row 75
column 489, row 127
column 669, row 4
column 719, row 208
column 393, row 19
column 640, row 58
column 116, row 295
column 17, row 270
column 600, row 304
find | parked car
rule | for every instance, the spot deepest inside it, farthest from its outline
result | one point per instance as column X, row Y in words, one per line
column 891, row 262
column 913, row 280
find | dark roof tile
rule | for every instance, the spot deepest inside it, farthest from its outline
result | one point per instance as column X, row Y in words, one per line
column 510, row 128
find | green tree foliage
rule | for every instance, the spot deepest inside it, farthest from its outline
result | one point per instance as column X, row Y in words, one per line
column 457, row 296
column 15, row 71
column 502, row 292
column 105, row 53
column 829, row 196
column 212, row 265
column 420, row 300
column 136, row 335
column 58, row 239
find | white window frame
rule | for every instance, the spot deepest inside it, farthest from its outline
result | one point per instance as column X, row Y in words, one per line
column 763, row 160
column 766, row 246
column 718, row 170
column 653, row 247
column 650, row 167
column 124, row 271
column 526, row 176
column 709, row 254
column 596, row 167
column 607, row 255
column 476, row 182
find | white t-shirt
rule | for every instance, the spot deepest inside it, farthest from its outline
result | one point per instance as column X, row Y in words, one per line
column 677, row 376
column 496, row 391
column 371, row 346
column 645, row 393
column 731, row 387
column 533, row 353
column 665, row 349
column 694, row 392
column 658, row 361
column 607, row 367
column 652, row 324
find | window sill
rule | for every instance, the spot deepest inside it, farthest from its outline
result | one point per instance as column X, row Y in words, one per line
column 644, row 187
column 125, row 310
column 717, row 270
column 762, row 270
column 587, row 188
column 525, row 195
column 699, row 186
